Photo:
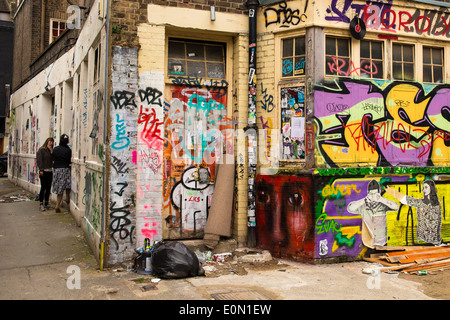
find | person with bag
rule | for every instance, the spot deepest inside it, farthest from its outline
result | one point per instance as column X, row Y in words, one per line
column 62, row 156
column 44, row 163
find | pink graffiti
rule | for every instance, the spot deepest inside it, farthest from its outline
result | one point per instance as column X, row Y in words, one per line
column 340, row 66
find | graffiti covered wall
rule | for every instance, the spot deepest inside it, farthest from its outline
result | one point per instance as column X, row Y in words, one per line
column 382, row 124
column 353, row 214
column 197, row 131
column 284, row 223
column 122, row 182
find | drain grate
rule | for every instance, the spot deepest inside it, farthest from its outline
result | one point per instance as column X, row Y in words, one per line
column 239, row 295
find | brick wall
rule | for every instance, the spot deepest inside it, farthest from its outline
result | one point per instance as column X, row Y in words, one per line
column 30, row 39
column 126, row 15
column 122, row 177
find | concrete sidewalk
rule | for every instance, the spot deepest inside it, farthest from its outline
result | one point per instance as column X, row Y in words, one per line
column 43, row 252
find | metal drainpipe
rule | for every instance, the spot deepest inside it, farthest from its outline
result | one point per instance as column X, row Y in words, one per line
column 251, row 129
column 105, row 119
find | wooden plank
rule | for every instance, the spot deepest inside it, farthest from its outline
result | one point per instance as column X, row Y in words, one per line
column 397, row 256
column 424, row 266
column 399, row 248
column 380, row 261
column 418, row 256
column 423, row 249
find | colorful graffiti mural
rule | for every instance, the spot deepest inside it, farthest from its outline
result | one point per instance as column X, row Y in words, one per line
column 352, row 214
column 284, row 223
column 382, row 16
column 382, row 124
column 197, row 133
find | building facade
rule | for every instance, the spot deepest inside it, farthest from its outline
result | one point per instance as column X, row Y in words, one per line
column 295, row 126
column 6, row 36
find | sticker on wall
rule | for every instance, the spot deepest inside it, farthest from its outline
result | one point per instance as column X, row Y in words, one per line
column 293, row 122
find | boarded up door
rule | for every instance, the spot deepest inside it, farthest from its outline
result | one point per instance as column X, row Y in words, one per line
column 195, row 123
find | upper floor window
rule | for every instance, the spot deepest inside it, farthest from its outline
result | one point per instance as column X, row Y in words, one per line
column 433, row 64
column 403, row 61
column 196, row 59
column 293, row 58
column 56, row 28
column 97, row 64
column 337, row 56
column 371, row 59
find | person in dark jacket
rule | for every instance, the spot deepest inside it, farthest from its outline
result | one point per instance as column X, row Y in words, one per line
column 62, row 156
column 44, row 163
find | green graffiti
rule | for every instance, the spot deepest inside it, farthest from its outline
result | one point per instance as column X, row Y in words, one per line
column 343, row 240
column 323, row 225
column 380, row 170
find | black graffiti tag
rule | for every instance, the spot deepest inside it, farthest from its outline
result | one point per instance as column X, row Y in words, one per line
column 119, row 224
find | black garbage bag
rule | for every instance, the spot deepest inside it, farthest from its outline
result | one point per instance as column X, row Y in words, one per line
column 171, row 260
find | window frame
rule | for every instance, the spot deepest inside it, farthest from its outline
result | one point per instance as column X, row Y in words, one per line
column 337, row 56
column 96, row 64
column 413, row 63
column 223, row 44
column 369, row 76
column 293, row 57
column 60, row 31
column 431, row 64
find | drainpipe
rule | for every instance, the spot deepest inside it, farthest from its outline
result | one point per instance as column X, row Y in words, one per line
column 251, row 129
column 105, row 119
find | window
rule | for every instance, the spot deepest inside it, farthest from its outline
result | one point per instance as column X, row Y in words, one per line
column 293, row 57
column 403, row 61
column 371, row 59
column 56, row 28
column 337, row 56
column 293, row 120
column 197, row 59
column 97, row 64
column 433, row 64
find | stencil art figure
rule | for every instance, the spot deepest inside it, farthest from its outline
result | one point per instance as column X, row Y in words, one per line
column 429, row 215
column 373, row 209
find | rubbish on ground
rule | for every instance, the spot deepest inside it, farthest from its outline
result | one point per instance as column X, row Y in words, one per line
column 210, row 268
column 221, row 257
column 257, row 257
column 143, row 263
column 172, row 260
column 416, row 260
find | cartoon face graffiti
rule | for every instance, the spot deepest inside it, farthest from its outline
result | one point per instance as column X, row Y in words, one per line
column 284, row 221
column 191, row 197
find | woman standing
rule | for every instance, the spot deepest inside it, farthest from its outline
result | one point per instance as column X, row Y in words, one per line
column 62, row 156
column 44, row 163
column 429, row 213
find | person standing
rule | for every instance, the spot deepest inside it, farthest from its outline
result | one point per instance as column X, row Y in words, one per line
column 44, row 163
column 62, row 156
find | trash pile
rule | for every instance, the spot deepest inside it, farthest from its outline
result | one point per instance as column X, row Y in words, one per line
column 414, row 260
column 173, row 260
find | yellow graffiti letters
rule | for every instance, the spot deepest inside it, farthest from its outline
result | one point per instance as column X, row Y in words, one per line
column 343, row 190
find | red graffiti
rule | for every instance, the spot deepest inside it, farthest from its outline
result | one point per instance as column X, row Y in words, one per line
column 151, row 134
column 284, row 218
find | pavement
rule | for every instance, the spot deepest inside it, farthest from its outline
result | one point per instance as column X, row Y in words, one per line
column 44, row 256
